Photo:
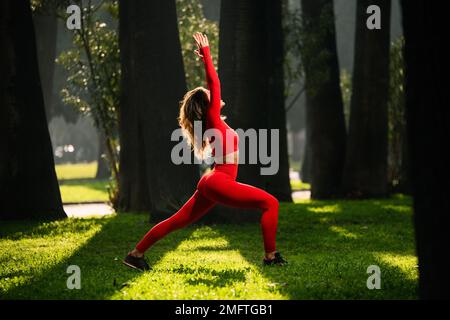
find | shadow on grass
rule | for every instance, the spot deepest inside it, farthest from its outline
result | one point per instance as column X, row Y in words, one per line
column 99, row 259
column 17, row 229
column 329, row 247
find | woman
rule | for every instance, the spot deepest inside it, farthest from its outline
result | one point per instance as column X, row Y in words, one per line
column 219, row 185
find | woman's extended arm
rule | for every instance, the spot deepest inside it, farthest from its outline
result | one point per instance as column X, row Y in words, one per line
column 212, row 78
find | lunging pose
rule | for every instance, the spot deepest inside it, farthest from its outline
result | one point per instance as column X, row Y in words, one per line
column 219, row 185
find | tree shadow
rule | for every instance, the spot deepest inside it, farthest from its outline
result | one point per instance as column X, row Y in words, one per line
column 17, row 229
column 99, row 259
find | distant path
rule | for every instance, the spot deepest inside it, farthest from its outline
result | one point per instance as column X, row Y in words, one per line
column 83, row 210
column 301, row 195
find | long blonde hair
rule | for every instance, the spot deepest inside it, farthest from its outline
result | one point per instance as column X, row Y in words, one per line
column 193, row 107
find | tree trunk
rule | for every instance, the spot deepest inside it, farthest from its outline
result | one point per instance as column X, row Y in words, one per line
column 278, row 184
column 324, row 108
column 405, row 170
column 365, row 173
column 211, row 9
column 153, row 82
column 249, row 57
column 428, row 123
column 28, row 183
column 45, row 24
column 250, row 66
column 103, row 167
column 242, row 72
column 305, row 170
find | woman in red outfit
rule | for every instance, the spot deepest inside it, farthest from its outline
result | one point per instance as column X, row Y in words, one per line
column 219, row 185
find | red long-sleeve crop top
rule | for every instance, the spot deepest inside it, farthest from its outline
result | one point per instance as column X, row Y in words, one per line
column 213, row 119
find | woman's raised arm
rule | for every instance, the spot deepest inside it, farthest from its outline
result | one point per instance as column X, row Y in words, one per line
column 212, row 78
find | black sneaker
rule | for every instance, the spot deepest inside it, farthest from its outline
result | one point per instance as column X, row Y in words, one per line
column 136, row 263
column 278, row 260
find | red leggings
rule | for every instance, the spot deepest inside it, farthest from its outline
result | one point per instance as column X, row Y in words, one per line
column 220, row 186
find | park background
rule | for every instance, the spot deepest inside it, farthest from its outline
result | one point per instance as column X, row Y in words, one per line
column 87, row 171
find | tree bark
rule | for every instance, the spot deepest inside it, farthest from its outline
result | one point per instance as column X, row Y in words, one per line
column 103, row 169
column 45, row 24
column 305, row 170
column 326, row 133
column 28, row 184
column 365, row 173
column 211, row 9
column 405, row 169
column 278, row 184
column 153, row 82
column 250, row 66
column 428, row 123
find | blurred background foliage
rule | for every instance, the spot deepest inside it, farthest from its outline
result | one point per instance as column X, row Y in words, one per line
column 190, row 20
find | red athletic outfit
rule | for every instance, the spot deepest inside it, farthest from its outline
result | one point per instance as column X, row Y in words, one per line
column 219, row 185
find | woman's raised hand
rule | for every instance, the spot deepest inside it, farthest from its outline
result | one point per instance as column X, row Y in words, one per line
column 202, row 41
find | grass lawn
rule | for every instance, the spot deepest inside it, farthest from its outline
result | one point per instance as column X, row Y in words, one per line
column 76, row 171
column 84, row 190
column 297, row 185
column 329, row 245
column 77, row 183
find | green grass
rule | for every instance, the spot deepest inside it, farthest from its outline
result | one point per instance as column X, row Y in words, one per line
column 77, row 183
column 84, row 190
column 329, row 245
column 76, row 171
column 297, row 185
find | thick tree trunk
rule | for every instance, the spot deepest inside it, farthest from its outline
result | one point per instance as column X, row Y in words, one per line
column 242, row 72
column 153, row 82
column 28, row 184
column 365, row 173
column 46, row 31
column 250, row 66
column 428, row 123
column 405, row 169
column 251, row 47
column 278, row 184
column 324, row 108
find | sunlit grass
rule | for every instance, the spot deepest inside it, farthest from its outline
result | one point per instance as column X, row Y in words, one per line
column 77, row 183
column 329, row 246
column 407, row 264
column 76, row 171
column 219, row 272
column 325, row 209
column 297, row 185
column 84, row 190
